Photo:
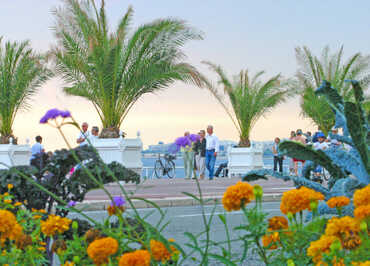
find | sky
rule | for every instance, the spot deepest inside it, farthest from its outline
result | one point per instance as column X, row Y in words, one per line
column 238, row 34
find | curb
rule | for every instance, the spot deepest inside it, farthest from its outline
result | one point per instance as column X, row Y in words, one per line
column 101, row 205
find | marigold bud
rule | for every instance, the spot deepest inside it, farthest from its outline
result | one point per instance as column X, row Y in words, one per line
column 257, row 191
column 74, row 225
column 313, row 205
column 363, row 226
column 290, row 216
column 290, row 262
column 76, row 259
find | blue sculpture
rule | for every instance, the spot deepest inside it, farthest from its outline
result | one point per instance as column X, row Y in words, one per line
column 349, row 169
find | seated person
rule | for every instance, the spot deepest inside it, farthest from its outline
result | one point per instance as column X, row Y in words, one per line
column 321, row 144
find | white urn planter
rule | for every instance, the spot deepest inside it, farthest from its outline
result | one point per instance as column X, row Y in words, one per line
column 14, row 155
column 241, row 160
column 124, row 151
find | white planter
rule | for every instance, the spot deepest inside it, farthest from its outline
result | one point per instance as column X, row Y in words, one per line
column 242, row 160
column 14, row 155
column 124, row 151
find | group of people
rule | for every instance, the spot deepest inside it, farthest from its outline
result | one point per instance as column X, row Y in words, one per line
column 85, row 134
column 318, row 141
column 82, row 139
column 202, row 155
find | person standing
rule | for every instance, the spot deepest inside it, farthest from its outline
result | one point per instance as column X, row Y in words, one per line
column 212, row 147
column 278, row 158
column 83, row 135
column 291, row 163
column 188, row 156
column 94, row 134
column 298, row 138
column 37, row 148
column 200, row 154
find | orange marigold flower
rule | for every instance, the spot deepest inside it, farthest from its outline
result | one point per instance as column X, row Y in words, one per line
column 41, row 248
column 336, row 202
column 159, row 251
column 361, row 263
column 68, row 263
column 318, row 247
column 136, row 258
column 101, row 249
column 23, row 241
column 8, row 201
column 346, row 229
column 278, row 223
column 10, row 186
column 270, row 240
column 362, row 212
column 16, row 232
column 7, row 223
column 55, row 224
column 297, row 200
column 113, row 210
column 237, row 195
column 17, row 204
column 362, row 196
column 345, row 225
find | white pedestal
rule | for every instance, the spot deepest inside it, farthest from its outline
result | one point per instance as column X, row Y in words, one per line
column 14, row 155
column 124, row 151
column 242, row 160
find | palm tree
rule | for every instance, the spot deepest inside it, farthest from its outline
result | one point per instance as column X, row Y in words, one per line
column 22, row 71
column 313, row 70
column 114, row 69
column 248, row 99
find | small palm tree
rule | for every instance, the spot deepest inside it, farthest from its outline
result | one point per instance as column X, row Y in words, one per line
column 22, row 71
column 114, row 69
column 313, row 70
column 248, row 99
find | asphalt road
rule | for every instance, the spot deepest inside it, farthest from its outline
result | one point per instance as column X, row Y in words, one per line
column 189, row 219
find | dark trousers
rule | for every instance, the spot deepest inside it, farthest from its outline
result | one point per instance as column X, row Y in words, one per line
column 278, row 160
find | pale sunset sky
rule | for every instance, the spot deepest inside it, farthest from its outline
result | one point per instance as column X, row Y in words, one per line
column 238, row 34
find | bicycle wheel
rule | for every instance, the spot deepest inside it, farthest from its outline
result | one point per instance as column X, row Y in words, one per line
column 170, row 169
column 158, row 169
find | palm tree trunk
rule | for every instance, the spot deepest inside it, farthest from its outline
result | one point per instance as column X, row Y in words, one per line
column 244, row 142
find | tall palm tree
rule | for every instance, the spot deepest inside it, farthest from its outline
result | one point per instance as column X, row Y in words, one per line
column 22, row 71
column 114, row 69
column 248, row 98
column 312, row 70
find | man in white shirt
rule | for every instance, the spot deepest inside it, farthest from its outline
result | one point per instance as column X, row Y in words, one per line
column 83, row 135
column 212, row 148
column 37, row 148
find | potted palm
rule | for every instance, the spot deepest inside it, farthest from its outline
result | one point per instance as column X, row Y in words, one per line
column 22, row 71
column 247, row 99
column 114, row 69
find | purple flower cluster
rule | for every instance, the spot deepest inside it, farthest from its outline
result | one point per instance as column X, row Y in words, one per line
column 183, row 142
column 118, row 201
column 53, row 114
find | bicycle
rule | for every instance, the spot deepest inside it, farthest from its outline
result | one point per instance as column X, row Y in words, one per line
column 166, row 167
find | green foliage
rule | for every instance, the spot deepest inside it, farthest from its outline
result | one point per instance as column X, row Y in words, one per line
column 114, row 69
column 298, row 150
column 54, row 176
column 248, row 98
column 314, row 70
column 22, row 71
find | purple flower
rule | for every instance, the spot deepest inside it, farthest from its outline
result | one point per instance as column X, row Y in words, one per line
column 194, row 137
column 183, row 141
column 53, row 114
column 118, row 201
column 71, row 203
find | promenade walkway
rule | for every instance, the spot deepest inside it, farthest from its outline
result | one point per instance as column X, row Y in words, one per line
column 169, row 192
